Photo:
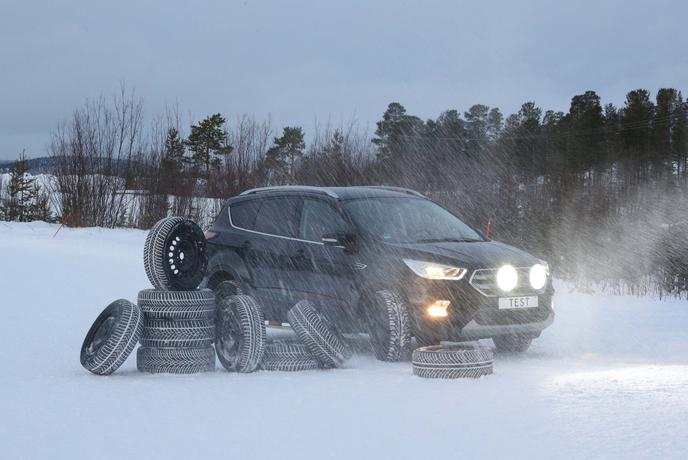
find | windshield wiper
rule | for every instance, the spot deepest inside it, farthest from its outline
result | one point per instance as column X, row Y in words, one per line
column 448, row 240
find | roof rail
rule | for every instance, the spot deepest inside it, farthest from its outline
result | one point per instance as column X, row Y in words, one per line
column 294, row 188
column 408, row 191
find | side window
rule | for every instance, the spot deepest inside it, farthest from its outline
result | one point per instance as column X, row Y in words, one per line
column 278, row 216
column 244, row 213
column 319, row 218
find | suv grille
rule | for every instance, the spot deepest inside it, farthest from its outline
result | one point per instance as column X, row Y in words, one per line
column 485, row 281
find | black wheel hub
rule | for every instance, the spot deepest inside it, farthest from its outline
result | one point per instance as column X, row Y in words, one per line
column 186, row 259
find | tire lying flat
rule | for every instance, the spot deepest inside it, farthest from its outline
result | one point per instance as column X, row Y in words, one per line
column 321, row 338
column 288, row 356
column 112, row 337
column 389, row 327
column 240, row 334
column 174, row 254
column 177, row 305
column 175, row 360
column 164, row 333
column 452, row 361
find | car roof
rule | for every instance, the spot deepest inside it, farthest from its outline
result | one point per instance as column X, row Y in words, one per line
column 341, row 193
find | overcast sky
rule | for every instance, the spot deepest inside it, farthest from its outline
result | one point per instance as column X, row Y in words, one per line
column 302, row 61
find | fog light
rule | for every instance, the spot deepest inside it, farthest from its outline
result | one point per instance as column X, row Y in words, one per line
column 438, row 309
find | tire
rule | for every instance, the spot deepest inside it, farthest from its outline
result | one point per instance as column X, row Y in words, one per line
column 178, row 334
column 512, row 343
column 321, row 338
column 452, row 361
column 177, row 305
column 390, row 327
column 175, row 360
column 240, row 333
column 174, row 254
column 288, row 356
column 112, row 337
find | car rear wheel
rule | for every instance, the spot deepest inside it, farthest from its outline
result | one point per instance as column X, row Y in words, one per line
column 512, row 343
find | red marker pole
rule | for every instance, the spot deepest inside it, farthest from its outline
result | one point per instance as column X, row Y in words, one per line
column 64, row 221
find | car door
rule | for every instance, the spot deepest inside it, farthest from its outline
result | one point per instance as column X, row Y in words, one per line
column 324, row 272
column 268, row 245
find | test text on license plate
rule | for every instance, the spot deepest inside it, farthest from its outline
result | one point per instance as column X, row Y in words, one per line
column 506, row 303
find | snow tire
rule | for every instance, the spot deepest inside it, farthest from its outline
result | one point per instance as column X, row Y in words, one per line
column 174, row 254
column 177, row 305
column 112, row 337
column 321, row 337
column 288, row 356
column 240, row 335
column 452, row 361
column 178, row 334
column 175, row 360
column 390, row 327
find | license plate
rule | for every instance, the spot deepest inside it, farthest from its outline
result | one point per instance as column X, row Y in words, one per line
column 507, row 303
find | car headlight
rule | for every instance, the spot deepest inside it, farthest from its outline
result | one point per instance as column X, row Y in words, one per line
column 538, row 276
column 435, row 271
column 507, row 278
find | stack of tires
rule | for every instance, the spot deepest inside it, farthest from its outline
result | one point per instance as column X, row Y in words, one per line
column 178, row 319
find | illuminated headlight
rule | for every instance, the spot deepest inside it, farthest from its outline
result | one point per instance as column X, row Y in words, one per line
column 507, row 278
column 538, row 276
column 434, row 271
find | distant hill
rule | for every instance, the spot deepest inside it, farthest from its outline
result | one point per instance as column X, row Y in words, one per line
column 41, row 165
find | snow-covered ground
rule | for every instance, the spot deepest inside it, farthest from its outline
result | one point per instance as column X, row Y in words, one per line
column 608, row 380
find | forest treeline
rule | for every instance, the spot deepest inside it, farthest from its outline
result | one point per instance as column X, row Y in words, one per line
column 600, row 190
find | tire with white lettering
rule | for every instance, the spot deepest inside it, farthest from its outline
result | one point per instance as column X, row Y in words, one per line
column 288, row 356
column 512, row 343
column 164, row 333
column 177, row 305
column 452, row 361
column 240, row 341
column 112, row 337
column 174, row 254
column 321, row 337
column 175, row 360
column 389, row 326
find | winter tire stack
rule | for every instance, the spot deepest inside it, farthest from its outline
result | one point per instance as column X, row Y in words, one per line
column 174, row 322
column 178, row 319
column 452, row 361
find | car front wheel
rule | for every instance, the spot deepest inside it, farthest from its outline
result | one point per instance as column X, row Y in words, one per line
column 389, row 326
column 512, row 343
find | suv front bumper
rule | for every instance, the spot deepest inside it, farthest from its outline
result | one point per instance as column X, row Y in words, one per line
column 472, row 315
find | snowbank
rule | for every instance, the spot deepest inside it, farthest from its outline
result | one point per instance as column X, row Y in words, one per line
column 608, row 380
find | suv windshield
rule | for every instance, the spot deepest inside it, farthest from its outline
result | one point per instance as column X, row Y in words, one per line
column 408, row 220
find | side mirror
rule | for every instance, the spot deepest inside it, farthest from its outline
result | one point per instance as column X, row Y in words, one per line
column 340, row 240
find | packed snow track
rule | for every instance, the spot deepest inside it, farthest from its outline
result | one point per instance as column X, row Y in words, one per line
column 609, row 379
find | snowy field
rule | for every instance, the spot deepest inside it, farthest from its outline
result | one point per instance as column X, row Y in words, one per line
column 608, row 380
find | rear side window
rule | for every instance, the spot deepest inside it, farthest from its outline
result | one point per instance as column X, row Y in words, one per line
column 244, row 214
column 278, row 216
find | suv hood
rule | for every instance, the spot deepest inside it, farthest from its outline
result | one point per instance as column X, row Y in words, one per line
column 473, row 255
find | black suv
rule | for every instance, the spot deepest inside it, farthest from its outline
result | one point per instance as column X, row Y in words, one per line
column 381, row 260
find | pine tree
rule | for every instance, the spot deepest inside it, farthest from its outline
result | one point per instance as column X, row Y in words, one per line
column 172, row 162
column 285, row 152
column 21, row 192
column 208, row 143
